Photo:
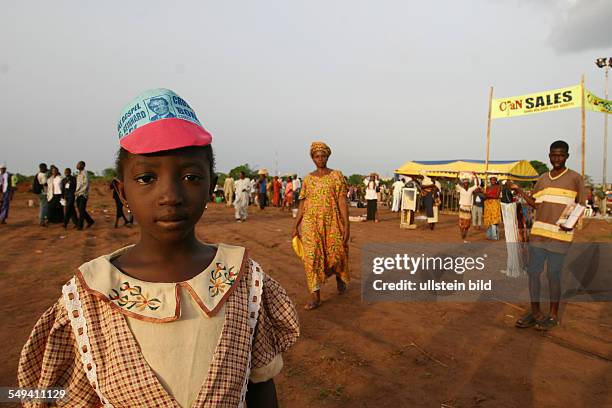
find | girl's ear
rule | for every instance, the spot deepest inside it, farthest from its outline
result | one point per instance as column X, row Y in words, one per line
column 119, row 187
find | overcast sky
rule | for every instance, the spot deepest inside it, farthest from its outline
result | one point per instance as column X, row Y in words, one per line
column 382, row 82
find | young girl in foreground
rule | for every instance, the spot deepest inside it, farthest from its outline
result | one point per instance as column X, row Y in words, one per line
column 170, row 321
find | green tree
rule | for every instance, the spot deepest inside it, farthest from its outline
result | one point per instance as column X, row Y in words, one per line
column 355, row 179
column 221, row 178
column 21, row 178
column 248, row 171
column 109, row 173
column 540, row 167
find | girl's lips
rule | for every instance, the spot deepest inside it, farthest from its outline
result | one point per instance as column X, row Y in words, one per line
column 171, row 218
column 172, row 224
column 171, row 221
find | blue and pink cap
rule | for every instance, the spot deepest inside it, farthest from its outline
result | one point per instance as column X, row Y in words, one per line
column 159, row 120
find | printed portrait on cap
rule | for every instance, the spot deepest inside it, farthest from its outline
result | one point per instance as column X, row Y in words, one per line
column 159, row 120
column 160, row 108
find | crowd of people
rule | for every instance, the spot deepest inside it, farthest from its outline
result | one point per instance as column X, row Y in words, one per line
column 263, row 191
column 58, row 195
column 205, row 318
column 62, row 199
column 477, row 203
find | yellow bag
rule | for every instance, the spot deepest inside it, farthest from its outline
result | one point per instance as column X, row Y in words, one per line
column 296, row 243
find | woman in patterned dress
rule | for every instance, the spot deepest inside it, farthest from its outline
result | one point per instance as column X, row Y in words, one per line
column 492, row 209
column 323, row 216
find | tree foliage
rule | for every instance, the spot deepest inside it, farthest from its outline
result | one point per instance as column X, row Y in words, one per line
column 540, row 167
column 109, row 173
column 221, row 178
column 235, row 172
column 355, row 179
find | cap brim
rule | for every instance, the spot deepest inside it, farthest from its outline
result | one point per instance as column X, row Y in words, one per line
column 165, row 134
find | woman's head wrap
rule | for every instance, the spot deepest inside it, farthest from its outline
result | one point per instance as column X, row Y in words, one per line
column 319, row 147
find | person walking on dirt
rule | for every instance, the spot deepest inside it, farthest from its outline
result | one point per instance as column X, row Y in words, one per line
column 82, row 195
column 228, row 190
column 466, row 200
column 323, row 215
column 5, row 193
column 68, row 186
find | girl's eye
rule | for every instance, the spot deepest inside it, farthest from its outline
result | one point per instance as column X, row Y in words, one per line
column 146, row 179
column 192, row 177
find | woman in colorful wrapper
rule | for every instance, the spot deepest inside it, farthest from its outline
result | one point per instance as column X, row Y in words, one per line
column 276, row 192
column 323, row 215
column 492, row 209
column 288, row 200
column 170, row 321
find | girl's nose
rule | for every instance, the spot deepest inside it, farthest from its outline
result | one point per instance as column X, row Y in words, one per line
column 170, row 194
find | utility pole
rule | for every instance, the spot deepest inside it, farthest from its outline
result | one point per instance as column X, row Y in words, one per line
column 602, row 63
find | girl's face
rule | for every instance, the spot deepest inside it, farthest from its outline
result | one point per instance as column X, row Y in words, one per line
column 54, row 171
column 319, row 158
column 167, row 192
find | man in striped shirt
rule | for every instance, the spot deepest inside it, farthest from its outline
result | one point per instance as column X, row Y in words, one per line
column 553, row 191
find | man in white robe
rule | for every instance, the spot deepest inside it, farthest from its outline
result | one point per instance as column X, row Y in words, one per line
column 242, row 188
column 228, row 190
column 397, row 194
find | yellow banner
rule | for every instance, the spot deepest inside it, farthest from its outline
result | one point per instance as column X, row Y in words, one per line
column 596, row 104
column 539, row 102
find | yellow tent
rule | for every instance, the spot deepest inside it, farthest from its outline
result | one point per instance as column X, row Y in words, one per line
column 520, row 170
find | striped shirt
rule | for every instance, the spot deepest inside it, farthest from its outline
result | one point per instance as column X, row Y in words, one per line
column 552, row 195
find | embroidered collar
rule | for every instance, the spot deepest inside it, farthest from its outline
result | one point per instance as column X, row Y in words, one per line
column 557, row 176
column 157, row 301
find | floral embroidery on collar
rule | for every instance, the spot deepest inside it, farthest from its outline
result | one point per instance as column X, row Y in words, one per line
column 159, row 302
column 130, row 296
column 221, row 278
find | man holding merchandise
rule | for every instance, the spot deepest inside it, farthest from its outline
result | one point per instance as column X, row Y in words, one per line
column 553, row 192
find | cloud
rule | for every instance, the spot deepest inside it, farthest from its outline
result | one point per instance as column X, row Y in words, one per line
column 582, row 25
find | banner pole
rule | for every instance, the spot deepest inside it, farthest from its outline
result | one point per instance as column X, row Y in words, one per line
column 605, row 150
column 488, row 135
column 582, row 114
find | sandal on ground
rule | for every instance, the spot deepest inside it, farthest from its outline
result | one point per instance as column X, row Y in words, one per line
column 547, row 323
column 312, row 305
column 340, row 285
column 529, row 320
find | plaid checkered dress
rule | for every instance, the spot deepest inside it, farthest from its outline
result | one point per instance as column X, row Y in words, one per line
column 113, row 371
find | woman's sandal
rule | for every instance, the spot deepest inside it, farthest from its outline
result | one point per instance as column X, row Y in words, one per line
column 340, row 285
column 526, row 321
column 547, row 323
column 312, row 305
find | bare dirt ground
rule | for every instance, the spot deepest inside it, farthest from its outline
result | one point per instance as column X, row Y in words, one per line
column 350, row 354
